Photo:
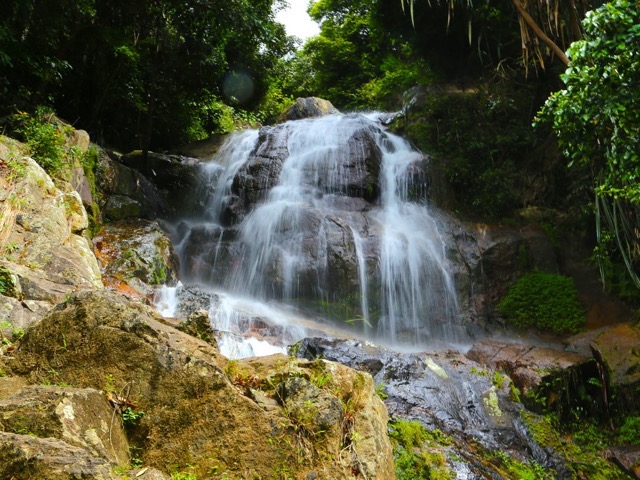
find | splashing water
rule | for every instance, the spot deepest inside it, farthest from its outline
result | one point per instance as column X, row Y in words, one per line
column 321, row 214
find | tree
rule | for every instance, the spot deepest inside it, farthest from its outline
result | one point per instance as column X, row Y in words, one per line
column 136, row 73
column 597, row 120
column 546, row 26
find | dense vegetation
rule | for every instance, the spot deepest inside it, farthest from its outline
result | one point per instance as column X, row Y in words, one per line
column 139, row 74
column 545, row 301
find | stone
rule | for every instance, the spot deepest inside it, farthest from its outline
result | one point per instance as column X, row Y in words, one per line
column 627, row 458
column 197, row 407
column 24, row 456
column 41, row 235
column 617, row 351
column 79, row 417
column 307, row 108
column 135, row 256
column 445, row 391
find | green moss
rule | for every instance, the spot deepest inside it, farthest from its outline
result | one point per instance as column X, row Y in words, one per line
column 581, row 462
column 543, row 300
column 419, row 453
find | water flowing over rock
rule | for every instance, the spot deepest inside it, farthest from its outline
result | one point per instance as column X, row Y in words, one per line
column 328, row 214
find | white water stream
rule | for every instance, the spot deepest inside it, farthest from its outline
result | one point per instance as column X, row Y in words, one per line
column 312, row 241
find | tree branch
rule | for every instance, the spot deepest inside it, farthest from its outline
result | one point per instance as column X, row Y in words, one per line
column 539, row 33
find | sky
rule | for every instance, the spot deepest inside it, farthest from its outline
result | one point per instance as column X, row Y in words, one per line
column 296, row 20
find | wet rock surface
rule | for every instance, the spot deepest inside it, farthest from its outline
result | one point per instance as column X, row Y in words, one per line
column 135, row 256
column 448, row 392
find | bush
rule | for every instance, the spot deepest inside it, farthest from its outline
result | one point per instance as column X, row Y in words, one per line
column 46, row 140
column 543, row 300
column 630, row 431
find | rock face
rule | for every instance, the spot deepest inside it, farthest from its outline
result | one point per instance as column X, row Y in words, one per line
column 307, row 108
column 201, row 410
column 617, row 352
column 448, row 392
column 45, row 255
column 135, row 256
column 79, row 417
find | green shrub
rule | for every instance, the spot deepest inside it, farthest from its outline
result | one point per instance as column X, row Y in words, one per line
column 543, row 300
column 46, row 139
column 630, row 431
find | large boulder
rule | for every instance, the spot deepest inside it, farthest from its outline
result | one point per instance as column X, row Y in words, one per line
column 308, row 107
column 79, row 417
column 201, row 410
column 42, row 236
column 128, row 193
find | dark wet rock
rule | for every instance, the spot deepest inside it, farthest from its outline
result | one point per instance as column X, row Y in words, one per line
column 135, row 256
column 126, row 192
column 173, row 176
column 490, row 259
column 307, row 108
column 627, row 458
column 444, row 391
column 119, row 207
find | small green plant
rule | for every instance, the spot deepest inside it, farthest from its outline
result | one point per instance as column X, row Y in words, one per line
column 630, row 431
column 543, row 300
column 417, row 452
column 380, row 391
column 131, row 417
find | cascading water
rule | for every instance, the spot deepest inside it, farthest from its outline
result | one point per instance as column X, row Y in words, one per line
column 328, row 215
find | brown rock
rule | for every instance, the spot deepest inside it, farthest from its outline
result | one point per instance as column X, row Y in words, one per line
column 307, row 108
column 80, row 417
column 27, row 457
column 527, row 365
column 194, row 414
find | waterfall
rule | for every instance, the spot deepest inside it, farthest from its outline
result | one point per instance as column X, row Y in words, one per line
column 327, row 215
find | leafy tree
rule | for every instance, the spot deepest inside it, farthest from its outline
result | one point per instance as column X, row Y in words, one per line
column 597, row 120
column 139, row 73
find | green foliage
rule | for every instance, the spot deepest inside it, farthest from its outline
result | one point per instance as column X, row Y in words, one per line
column 416, row 452
column 45, row 138
column 630, row 431
column 138, row 74
column 478, row 139
column 519, row 470
column 581, row 462
column 596, row 118
column 131, row 417
column 543, row 300
column 6, row 285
